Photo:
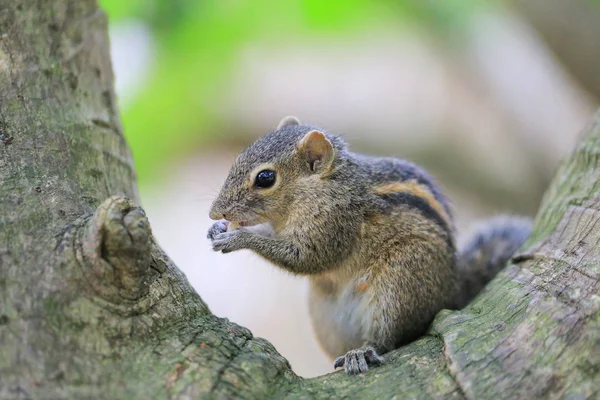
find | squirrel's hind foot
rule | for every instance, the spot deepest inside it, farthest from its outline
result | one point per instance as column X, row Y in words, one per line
column 357, row 361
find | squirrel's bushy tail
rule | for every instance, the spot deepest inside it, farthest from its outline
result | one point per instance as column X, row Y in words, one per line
column 487, row 251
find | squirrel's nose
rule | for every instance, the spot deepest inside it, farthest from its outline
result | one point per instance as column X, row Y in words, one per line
column 216, row 212
column 216, row 215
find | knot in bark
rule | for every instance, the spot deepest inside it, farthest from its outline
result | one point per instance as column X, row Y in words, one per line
column 114, row 249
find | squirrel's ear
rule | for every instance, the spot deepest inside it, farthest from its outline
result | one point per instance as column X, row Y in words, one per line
column 289, row 120
column 317, row 150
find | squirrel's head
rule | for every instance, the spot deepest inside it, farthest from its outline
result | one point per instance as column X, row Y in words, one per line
column 266, row 177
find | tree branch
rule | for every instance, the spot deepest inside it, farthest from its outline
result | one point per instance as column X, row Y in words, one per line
column 92, row 308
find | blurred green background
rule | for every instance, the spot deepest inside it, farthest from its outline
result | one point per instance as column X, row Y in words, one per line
column 196, row 43
column 489, row 96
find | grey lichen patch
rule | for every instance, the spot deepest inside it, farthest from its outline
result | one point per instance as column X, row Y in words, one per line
column 5, row 61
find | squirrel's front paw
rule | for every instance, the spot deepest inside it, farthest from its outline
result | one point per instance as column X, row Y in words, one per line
column 358, row 361
column 227, row 242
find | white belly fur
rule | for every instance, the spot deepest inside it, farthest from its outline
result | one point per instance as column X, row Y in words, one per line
column 341, row 320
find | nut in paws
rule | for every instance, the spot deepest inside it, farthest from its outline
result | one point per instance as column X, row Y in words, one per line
column 217, row 228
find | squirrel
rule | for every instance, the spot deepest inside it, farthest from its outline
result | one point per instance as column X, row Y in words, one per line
column 375, row 236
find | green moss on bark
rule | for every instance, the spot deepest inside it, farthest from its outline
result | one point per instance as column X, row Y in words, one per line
column 90, row 307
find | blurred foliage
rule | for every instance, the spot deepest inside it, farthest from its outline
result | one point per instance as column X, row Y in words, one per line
column 196, row 43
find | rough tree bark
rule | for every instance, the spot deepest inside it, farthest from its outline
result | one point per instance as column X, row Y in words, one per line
column 90, row 307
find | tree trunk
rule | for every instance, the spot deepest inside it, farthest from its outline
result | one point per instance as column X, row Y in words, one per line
column 92, row 308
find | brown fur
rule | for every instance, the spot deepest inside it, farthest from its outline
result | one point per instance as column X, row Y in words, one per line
column 390, row 266
column 418, row 190
column 375, row 236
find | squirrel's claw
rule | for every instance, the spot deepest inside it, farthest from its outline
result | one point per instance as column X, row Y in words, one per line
column 358, row 361
column 339, row 362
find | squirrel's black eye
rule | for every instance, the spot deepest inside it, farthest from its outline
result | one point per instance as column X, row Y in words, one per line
column 265, row 179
